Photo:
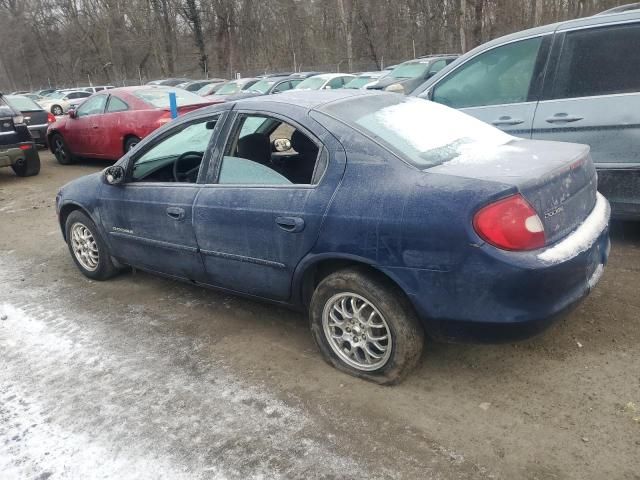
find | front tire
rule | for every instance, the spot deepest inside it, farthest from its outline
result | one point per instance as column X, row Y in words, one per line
column 364, row 326
column 61, row 150
column 130, row 143
column 87, row 247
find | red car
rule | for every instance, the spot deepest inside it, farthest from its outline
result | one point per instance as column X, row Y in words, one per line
column 110, row 123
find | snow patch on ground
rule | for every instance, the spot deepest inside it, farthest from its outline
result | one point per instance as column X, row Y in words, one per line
column 75, row 404
column 583, row 237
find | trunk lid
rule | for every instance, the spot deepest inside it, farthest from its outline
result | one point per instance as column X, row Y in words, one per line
column 35, row 117
column 558, row 179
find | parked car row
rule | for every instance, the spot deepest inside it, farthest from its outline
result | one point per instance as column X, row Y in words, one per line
column 541, row 83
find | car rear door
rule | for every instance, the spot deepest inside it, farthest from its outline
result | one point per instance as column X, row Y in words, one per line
column 593, row 97
column 253, row 224
column 499, row 86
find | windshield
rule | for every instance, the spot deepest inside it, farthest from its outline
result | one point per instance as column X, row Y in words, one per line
column 262, row 86
column 359, row 82
column 210, row 88
column 160, row 97
column 24, row 104
column 424, row 133
column 312, row 83
column 410, row 70
column 230, row 88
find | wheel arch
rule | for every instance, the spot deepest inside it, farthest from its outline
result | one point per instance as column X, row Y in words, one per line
column 125, row 139
column 66, row 210
column 314, row 270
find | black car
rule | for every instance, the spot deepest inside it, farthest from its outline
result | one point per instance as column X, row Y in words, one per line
column 36, row 118
column 407, row 76
column 195, row 85
column 17, row 149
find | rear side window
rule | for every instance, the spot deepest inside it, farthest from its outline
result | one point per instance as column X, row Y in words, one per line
column 600, row 61
column 116, row 105
column 502, row 75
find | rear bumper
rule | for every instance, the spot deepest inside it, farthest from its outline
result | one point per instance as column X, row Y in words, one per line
column 13, row 154
column 621, row 186
column 39, row 133
column 498, row 296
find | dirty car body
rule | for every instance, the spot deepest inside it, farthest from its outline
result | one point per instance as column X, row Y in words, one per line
column 401, row 187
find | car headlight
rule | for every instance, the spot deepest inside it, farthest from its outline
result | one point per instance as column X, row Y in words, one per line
column 395, row 88
column 18, row 119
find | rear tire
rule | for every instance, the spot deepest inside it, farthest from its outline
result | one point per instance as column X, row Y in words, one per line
column 378, row 337
column 29, row 168
column 61, row 150
column 130, row 143
column 87, row 247
column 57, row 110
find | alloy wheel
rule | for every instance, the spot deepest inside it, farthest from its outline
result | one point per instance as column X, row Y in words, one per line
column 357, row 332
column 59, row 150
column 85, row 247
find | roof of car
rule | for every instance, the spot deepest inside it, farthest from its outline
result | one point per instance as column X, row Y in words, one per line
column 329, row 76
column 600, row 19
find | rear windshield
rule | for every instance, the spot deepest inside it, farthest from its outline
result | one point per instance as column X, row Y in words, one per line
column 160, row 97
column 424, row 133
column 360, row 81
column 262, row 86
column 231, row 88
column 24, row 104
column 410, row 70
column 313, row 83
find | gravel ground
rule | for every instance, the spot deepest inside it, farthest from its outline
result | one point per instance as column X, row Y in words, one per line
column 142, row 377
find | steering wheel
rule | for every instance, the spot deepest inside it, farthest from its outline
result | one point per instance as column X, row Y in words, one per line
column 190, row 175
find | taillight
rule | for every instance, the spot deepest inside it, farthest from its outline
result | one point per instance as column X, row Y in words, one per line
column 50, row 118
column 25, row 147
column 510, row 224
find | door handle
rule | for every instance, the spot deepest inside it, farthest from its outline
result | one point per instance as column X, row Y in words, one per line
column 563, row 118
column 95, row 127
column 290, row 224
column 506, row 121
column 176, row 213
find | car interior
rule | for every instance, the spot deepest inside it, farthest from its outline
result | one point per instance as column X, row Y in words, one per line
column 267, row 150
column 262, row 150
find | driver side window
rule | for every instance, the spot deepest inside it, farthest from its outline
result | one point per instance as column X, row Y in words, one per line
column 498, row 77
column 176, row 158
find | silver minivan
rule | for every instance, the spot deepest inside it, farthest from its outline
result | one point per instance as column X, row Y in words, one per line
column 575, row 81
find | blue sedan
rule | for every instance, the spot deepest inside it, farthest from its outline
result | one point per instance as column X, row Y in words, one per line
column 385, row 217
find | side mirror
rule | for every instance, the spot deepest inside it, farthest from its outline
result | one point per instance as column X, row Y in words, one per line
column 282, row 144
column 114, row 175
column 73, row 114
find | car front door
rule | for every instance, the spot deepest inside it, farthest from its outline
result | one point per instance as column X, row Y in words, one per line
column 112, row 126
column 499, row 86
column 593, row 97
column 263, row 211
column 149, row 218
column 81, row 134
